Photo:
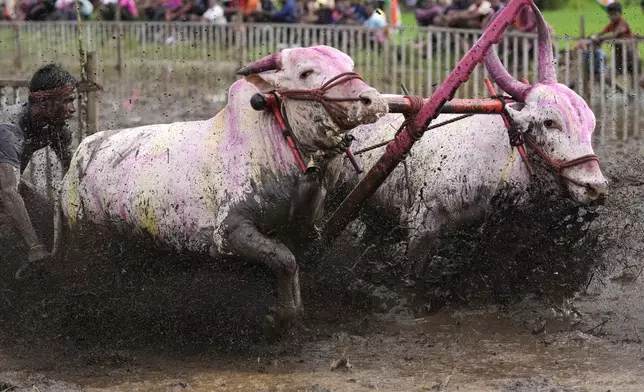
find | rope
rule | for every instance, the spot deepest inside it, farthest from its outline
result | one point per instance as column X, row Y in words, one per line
column 382, row 144
column 319, row 94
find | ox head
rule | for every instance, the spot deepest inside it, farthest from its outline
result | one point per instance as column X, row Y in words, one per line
column 559, row 119
column 349, row 101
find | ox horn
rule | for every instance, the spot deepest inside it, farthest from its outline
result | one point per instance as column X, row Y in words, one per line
column 501, row 76
column 547, row 73
column 267, row 63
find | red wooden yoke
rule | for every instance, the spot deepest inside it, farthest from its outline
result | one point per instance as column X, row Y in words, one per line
column 400, row 146
column 419, row 113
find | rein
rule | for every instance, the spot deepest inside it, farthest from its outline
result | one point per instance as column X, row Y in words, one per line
column 274, row 102
column 319, row 94
column 558, row 165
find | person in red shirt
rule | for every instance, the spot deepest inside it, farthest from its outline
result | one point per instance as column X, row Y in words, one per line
column 618, row 28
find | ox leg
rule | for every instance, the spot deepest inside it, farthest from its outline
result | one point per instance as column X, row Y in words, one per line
column 246, row 241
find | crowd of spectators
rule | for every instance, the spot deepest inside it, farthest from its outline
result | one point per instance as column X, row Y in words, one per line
column 352, row 12
column 472, row 14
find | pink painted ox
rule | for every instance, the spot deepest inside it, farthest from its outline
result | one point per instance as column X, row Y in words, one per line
column 456, row 170
column 227, row 186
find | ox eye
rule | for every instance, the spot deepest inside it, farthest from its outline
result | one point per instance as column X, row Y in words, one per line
column 550, row 124
column 306, row 74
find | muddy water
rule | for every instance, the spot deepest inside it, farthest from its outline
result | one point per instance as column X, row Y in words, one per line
column 105, row 323
column 465, row 351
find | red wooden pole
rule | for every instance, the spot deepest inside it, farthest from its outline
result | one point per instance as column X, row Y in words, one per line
column 398, row 148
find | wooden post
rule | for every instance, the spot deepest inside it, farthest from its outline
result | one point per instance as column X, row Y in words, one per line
column 240, row 37
column 83, row 77
column 119, row 37
column 17, row 61
column 582, row 27
column 92, row 107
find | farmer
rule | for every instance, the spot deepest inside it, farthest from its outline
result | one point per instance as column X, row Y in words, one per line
column 618, row 28
column 25, row 128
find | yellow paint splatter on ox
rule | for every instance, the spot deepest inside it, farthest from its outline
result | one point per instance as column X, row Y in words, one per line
column 73, row 204
column 145, row 213
column 505, row 174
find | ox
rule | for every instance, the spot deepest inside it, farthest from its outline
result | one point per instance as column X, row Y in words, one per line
column 455, row 171
column 228, row 186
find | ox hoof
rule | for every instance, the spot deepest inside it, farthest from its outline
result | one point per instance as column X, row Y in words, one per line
column 38, row 255
column 278, row 322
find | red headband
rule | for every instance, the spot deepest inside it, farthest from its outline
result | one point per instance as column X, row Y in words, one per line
column 53, row 93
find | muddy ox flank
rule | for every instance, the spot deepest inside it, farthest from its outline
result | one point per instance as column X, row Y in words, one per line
column 455, row 171
column 226, row 186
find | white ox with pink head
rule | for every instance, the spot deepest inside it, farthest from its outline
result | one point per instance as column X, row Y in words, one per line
column 228, row 186
column 454, row 171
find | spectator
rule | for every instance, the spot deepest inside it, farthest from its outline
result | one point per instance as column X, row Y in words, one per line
column 66, row 9
column 41, row 10
column 342, row 13
column 376, row 23
column 215, row 13
column 497, row 5
column 185, row 11
column 472, row 17
column 128, row 9
column 375, row 18
column 307, row 12
column 618, row 28
column 153, row 10
column 457, row 5
column 287, row 14
column 358, row 12
column 427, row 11
column 324, row 12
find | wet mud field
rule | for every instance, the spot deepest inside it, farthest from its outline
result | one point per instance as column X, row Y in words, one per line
column 546, row 297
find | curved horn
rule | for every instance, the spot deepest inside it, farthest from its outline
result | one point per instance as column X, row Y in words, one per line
column 501, row 76
column 267, row 63
column 547, row 72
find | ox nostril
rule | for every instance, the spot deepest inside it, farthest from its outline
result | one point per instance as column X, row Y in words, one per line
column 596, row 191
column 365, row 100
column 592, row 192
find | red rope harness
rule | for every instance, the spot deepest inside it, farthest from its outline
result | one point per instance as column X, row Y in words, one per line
column 558, row 165
column 319, row 95
column 273, row 101
column 517, row 140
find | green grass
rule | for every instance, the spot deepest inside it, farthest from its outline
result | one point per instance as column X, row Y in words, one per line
column 566, row 22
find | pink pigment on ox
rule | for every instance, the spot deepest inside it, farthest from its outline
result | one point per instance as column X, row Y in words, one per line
column 181, row 181
column 572, row 107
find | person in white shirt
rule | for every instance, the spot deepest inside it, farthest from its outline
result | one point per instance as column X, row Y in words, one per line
column 215, row 13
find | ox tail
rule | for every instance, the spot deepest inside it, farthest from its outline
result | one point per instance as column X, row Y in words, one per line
column 58, row 225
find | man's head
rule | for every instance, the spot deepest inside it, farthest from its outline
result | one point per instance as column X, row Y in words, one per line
column 52, row 92
column 369, row 9
column 614, row 11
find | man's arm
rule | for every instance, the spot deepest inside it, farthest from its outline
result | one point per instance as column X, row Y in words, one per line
column 14, row 205
column 609, row 32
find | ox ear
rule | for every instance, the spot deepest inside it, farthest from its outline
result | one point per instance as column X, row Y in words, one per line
column 265, row 81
